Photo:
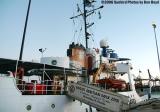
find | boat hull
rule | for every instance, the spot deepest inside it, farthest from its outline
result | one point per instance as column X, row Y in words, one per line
column 11, row 100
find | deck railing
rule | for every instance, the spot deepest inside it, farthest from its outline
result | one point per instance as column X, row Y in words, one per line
column 48, row 87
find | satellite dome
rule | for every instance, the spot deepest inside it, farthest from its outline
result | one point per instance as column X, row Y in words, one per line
column 104, row 43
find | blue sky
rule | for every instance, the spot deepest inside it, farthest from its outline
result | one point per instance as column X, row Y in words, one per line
column 128, row 29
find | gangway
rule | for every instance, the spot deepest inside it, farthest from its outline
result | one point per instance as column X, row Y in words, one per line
column 98, row 98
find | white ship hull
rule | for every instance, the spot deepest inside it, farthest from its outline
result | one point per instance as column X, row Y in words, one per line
column 11, row 100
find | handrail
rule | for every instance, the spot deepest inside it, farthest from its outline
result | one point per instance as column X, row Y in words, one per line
column 46, row 87
column 56, row 88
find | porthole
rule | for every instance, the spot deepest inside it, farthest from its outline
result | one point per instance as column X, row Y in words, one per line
column 54, row 62
column 52, row 106
column 28, row 107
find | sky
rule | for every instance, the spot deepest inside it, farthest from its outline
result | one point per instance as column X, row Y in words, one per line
column 127, row 28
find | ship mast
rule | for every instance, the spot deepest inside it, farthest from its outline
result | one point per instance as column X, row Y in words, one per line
column 24, row 32
column 85, row 23
column 86, row 13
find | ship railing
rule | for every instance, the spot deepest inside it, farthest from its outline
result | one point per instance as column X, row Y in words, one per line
column 46, row 88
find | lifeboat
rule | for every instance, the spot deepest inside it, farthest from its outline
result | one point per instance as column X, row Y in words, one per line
column 112, row 83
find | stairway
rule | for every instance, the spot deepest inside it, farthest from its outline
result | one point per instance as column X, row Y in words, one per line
column 98, row 98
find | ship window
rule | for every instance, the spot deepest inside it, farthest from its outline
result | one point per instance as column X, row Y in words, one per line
column 54, row 62
column 28, row 107
column 90, row 108
column 80, row 103
column 86, row 109
column 53, row 106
